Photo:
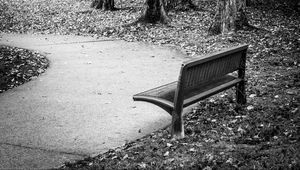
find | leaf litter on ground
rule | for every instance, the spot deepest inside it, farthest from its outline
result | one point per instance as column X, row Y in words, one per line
column 18, row 66
column 264, row 134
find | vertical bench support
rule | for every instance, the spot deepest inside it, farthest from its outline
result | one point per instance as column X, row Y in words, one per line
column 177, row 125
column 177, row 120
column 240, row 87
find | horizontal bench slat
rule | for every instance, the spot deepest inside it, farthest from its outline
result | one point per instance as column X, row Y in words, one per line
column 163, row 96
column 214, row 56
column 202, row 94
column 165, row 104
column 211, row 69
column 166, row 92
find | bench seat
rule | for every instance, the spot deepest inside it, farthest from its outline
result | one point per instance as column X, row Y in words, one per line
column 163, row 96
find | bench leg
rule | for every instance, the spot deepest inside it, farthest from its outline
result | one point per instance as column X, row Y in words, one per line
column 177, row 125
column 240, row 93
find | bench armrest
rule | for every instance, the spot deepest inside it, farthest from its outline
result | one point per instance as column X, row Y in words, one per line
column 164, row 104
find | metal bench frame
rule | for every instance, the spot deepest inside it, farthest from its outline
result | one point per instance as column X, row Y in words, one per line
column 199, row 79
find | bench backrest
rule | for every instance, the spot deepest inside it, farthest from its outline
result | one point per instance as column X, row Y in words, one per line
column 195, row 72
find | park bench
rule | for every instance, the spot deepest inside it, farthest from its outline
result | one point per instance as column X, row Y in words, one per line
column 198, row 79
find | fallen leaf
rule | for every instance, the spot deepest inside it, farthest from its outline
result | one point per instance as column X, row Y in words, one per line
column 250, row 107
column 166, row 154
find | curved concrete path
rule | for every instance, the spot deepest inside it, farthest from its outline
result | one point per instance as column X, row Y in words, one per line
column 82, row 105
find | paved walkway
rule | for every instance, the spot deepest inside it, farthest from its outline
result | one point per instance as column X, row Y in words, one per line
column 82, row 105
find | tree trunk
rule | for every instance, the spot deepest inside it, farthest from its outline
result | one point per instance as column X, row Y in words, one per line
column 103, row 4
column 230, row 16
column 154, row 12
